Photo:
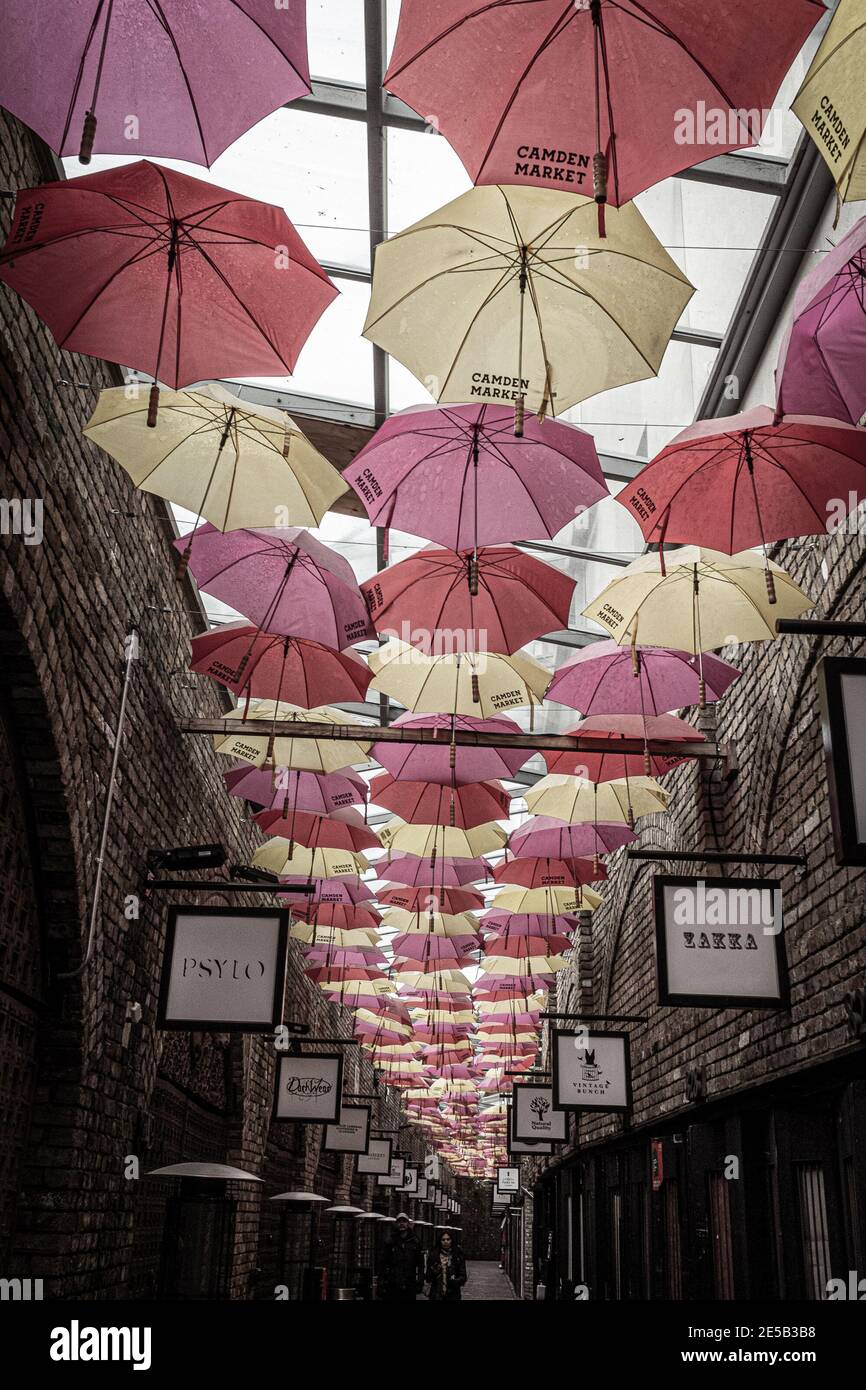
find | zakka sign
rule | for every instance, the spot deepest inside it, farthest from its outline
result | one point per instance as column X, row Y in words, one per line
column 719, row 942
column 591, row 1070
column 224, row 969
column 309, row 1088
column 377, row 1159
column 351, row 1133
column 534, row 1116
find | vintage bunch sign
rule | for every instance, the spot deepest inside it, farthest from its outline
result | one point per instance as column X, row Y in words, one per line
column 535, row 1119
column 351, row 1133
column 309, row 1088
column 377, row 1159
column 224, row 969
column 591, row 1070
column 842, row 691
column 719, row 942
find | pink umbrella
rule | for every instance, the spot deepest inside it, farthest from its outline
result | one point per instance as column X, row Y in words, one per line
column 459, row 476
column 113, row 254
column 608, row 766
column 414, row 946
column 425, row 898
column 532, row 923
column 541, row 835
column 429, row 803
column 822, row 361
column 255, row 664
column 346, row 890
column 321, row 793
column 449, row 873
column 197, row 74
column 428, row 762
column 550, row 92
column 748, row 480
column 328, row 956
column 495, row 599
column 345, row 830
column 601, row 679
column 284, row 580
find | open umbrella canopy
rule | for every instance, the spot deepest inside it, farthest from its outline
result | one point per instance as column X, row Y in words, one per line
column 280, row 751
column 429, row 803
column 425, row 899
column 306, row 791
column 545, row 835
column 612, row 765
column 426, row 923
column 416, row 872
column 832, row 103
column 496, row 599
column 552, row 901
column 458, row 476
column 432, row 952
column 510, row 294
column 319, row 832
column 538, row 872
column 347, row 891
column 297, row 671
column 821, row 361
column 218, row 456
column 701, row 600
column 527, row 924
column 470, row 683
column 116, row 252
column 446, row 763
column 337, row 916
column 196, row 73
column 430, row 841
column 573, row 799
column 282, row 856
column 748, row 479
column 604, row 678
column 512, row 84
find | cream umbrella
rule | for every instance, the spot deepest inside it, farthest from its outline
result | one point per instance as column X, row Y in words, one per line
column 280, row 751
column 575, row 799
column 509, row 294
column 518, row 968
column 440, row 981
column 481, row 684
column 551, row 901
column 832, row 100
column 405, row 923
column 442, row 841
column 313, row 935
column 234, row 464
column 281, row 856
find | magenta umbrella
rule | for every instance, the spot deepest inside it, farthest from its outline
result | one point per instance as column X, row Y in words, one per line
column 321, row 793
column 195, row 73
column 416, row 873
column 427, row 762
column 349, row 891
column 822, row 361
column 294, row 670
column 601, row 679
column 542, row 836
column 459, row 476
column 284, row 580
column 528, row 923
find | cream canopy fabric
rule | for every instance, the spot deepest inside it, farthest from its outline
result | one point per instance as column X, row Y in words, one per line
column 399, row 920
column 704, row 600
column 303, row 754
column 597, row 312
column 212, row 453
column 449, row 684
column 275, row 856
column 551, row 901
column 832, row 100
column 446, row 841
column 575, row 799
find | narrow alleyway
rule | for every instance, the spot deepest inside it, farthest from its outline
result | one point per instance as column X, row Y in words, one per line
column 486, row 1281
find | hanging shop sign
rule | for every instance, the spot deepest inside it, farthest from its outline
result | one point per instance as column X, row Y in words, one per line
column 309, row 1088
column 516, row 1147
column 499, row 1202
column 534, row 1116
column 377, row 1159
column 409, row 1185
column 394, row 1176
column 423, row 1184
column 591, row 1070
column 224, row 969
column 351, row 1133
column 719, row 942
column 842, row 693
column 507, row 1180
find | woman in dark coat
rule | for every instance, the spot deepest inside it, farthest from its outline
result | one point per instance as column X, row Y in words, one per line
column 446, row 1270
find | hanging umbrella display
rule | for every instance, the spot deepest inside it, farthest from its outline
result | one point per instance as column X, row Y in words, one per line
column 346, row 830
column 495, row 598
column 414, row 872
column 448, row 900
column 573, row 799
column 449, row 763
column 831, row 104
column 280, row 751
column 552, row 901
column 538, row 872
column 822, row 360
column 509, row 294
column 336, row 918
column 613, row 765
column 307, row 791
column 429, row 803
column 458, row 476
column 545, row 836
column 218, row 457
column 282, row 579
column 281, row 856
column 748, row 480
column 604, row 678
column 431, row 841
column 468, row 683
column 348, row 890
column 114, row 253
column 527, row 924
column 197, row 75
column 293, row 670
column 593, row 95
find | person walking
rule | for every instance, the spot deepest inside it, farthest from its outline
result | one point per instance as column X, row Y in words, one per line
column 402, row 1274
column 446, row 1270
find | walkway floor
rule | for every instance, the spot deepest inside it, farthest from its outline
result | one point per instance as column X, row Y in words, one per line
column 486, row 1280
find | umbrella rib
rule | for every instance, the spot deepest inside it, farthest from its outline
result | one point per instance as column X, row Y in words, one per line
column 156, row 8
column 422, row 285
column 507, row 276
column 663, row 29
column 300, row 76
column 138, row 256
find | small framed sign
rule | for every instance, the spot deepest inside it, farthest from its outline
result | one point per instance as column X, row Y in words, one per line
column 377, row 1159
column 309, row 1088
column 409, row 1185
column 507, row 1180
column 518, row 1147
column 499, row 1202
column 842, row 695
column 591, row 1070
column 423, row 1184
column 351, row 1133
column 224, row 969
column 534, row 1117
column 720, row 943
column 394, row 1176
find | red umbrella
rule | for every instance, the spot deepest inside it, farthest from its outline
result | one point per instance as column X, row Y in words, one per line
column 429, row 803
column 550, row 92
column 608, row 766
column 342, row 916
column 545, row 872
column 495, row 599
column 428, row 899
column 107, row 261
column 261, row 665
column 344, row 830
column 518, row 947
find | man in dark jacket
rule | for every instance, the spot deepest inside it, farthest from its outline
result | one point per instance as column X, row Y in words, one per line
column 402, row 1273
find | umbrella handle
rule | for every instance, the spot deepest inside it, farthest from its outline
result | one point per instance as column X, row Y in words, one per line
column 88, row 135
column 182, row 565
column 771, row 585
column 519, row 410
column 152, row 406
column 599, row 187
column 476, row 692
